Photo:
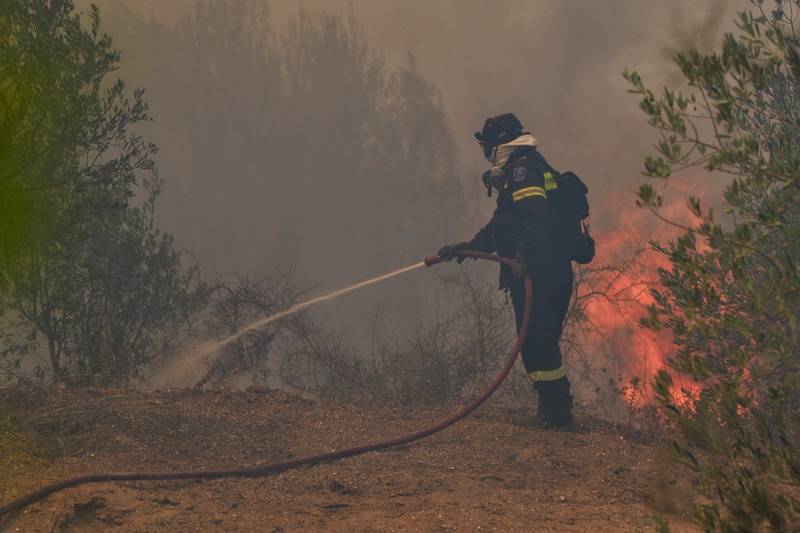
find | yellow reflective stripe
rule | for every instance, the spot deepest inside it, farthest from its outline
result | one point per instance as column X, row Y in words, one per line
column 527, row 192
column 547, row 375
column 549, row 181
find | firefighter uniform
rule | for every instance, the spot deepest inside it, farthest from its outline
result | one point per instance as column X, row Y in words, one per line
column 522, row 225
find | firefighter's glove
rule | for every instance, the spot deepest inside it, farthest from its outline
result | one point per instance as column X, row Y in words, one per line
column 519, row 267
column 448, row 252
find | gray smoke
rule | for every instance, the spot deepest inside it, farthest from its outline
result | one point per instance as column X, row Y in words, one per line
column 556, row 64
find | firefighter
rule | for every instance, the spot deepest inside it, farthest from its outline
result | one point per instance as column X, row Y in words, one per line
column 522, row 228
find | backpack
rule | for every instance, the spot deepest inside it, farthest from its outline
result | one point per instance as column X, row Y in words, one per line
column 572, row 209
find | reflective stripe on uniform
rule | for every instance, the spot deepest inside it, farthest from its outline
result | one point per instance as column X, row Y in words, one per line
column 549, row 181
column 547, row 375
column 528, row 192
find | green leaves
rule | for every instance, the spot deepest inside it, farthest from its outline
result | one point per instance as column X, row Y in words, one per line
column 694, row 206
column 80, row 262
column 657, row 167
column 732, row 293
column 648, row 197
column 55, row 115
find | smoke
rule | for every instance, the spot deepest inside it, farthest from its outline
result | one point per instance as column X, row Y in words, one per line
column 556, row 64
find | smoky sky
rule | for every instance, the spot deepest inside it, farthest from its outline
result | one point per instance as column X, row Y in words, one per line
column 556, row 64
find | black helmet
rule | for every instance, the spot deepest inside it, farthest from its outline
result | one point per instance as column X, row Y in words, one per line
column 498, row 130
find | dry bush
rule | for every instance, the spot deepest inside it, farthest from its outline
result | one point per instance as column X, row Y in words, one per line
column 439, row 361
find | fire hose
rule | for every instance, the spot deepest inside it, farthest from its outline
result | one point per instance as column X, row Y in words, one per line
column 262, row 470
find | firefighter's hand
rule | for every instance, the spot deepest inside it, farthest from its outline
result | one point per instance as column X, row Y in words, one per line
column 519, row 267
column 448, row 252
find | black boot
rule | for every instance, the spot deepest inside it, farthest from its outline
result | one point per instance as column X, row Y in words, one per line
column 555, row 405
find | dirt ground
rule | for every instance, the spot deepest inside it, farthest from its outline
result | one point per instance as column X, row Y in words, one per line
column 492, row 471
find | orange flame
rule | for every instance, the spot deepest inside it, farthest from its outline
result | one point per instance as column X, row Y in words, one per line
column 618, row 338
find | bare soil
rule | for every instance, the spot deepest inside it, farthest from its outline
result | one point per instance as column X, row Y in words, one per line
column 493, row 471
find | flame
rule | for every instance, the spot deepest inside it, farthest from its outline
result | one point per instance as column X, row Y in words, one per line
column 617, row 338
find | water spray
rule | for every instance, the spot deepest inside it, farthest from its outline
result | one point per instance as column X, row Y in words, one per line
column 262, row 470
column 304, row 305
column 204, row 353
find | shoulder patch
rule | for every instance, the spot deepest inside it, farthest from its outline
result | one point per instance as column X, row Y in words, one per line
column 519, row 174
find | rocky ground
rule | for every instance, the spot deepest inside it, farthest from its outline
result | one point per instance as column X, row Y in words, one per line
column 492, row 471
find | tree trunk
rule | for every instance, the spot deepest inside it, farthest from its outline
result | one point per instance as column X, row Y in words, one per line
column 55, row 358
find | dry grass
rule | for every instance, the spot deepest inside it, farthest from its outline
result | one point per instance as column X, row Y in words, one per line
column 21, row 454
column 492, row 471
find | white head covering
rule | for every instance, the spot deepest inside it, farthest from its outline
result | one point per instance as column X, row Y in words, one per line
column 502, row 151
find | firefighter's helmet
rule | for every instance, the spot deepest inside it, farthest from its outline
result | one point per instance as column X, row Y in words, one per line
column 498, row 130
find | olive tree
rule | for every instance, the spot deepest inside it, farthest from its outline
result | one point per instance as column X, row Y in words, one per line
column 731, row 292
column 85, row 277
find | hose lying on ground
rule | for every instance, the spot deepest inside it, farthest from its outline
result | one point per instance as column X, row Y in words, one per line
column 262, row 470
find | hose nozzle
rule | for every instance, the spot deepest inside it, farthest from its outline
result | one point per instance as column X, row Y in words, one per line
column 432, row 260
